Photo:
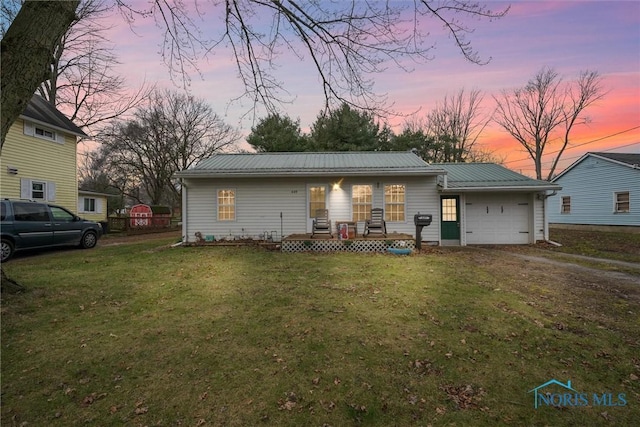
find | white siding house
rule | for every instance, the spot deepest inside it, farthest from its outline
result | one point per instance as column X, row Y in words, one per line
column 248, row 195
column 598, row 189
column 276, row 194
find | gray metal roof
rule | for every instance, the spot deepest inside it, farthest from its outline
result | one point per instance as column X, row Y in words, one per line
column 348, row 163
column 41, row 111
column 488, row 176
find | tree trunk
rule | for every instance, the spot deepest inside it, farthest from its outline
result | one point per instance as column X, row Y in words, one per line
column 26, row 54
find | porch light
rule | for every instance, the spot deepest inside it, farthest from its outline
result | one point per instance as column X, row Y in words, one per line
column 336, row 185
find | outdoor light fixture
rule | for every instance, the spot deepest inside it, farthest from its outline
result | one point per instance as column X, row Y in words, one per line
column 336, row 185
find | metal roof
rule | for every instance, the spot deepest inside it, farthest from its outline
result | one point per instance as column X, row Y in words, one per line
column 488, row 176
column 348, row 163
column 41, row 111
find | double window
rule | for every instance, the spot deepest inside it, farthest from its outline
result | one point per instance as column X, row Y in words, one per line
column 226, row 205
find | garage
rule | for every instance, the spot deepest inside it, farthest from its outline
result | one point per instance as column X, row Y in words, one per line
column 498, row 218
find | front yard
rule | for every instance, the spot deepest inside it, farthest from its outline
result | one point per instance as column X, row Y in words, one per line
column 144, row 334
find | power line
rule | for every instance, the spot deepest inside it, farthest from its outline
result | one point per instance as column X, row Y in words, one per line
column 580, row 145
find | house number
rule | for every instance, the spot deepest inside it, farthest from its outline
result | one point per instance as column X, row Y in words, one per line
column 294, row 191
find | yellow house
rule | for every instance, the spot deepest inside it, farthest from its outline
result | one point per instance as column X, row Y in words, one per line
column 92, row 205
column 38, row 160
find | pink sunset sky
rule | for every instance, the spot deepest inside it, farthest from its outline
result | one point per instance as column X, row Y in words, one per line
column 568, row 36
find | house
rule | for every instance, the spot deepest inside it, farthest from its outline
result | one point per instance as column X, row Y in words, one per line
column 93, row 205
column 38, row 160
column 598, row 189
column 254, row 194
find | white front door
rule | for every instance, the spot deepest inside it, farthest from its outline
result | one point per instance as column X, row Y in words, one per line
column 317, row 195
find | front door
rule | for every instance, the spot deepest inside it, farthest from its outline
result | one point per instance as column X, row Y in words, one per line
column 316, row 199
column 450, row 214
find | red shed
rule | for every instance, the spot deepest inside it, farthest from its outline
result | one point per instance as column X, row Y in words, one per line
column 140, row 216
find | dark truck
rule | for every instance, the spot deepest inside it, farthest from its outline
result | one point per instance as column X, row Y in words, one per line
column 30, row 225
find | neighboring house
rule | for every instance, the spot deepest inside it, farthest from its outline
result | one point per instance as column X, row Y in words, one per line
column 38, row 160
column 598, row 189
column 93, row 205
column 252, row 194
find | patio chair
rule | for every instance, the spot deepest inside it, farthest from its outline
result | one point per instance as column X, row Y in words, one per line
column 376, row 225
column 321, row 223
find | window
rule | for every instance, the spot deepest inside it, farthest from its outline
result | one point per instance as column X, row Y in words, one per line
column 450, row 209
column 60, row 214
column 394, row 197
column 30, row 212
column 44, row 133
column 226, row 205
column 317, row 199
column 622, row 202
column 89, row 205
column 565, row 208
column 38, row 190
column 361, row 198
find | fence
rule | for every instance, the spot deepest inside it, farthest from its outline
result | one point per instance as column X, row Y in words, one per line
column 128, row 224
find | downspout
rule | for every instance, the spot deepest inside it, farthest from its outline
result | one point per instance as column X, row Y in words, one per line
column 184, row 211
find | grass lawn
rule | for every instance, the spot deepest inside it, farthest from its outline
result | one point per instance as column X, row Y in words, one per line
column 615, row 245
column 142, row 334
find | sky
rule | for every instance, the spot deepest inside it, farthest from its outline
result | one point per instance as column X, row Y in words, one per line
column 568, row 36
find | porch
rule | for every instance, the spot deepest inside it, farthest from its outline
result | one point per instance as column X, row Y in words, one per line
column 325, row 243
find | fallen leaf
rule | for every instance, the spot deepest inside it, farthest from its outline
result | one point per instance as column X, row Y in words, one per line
column 140, row 410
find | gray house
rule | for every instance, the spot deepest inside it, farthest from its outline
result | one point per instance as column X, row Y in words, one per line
column 598, row 189
column 253, row 193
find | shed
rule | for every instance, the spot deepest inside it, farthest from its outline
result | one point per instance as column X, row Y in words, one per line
column 140, row 216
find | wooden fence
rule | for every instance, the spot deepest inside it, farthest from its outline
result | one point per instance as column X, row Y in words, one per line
column 124, row 224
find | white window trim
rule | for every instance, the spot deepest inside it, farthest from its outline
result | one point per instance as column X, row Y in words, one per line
column 235, row 204
column 384, row 201
column 30, row 129
column 615, row 202
column 372, row 204
column 26, row 189
column 562, row 205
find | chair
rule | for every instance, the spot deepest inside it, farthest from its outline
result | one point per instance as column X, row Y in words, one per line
column 376, row 225
column 321, row 223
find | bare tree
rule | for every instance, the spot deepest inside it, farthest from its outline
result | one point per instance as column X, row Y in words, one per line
column 346, row 41
column 459, row 120
column 82, row 80
column 171, row 133
column 546, row 110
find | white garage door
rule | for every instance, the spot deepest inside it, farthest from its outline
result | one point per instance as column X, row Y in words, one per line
column 497, row 218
